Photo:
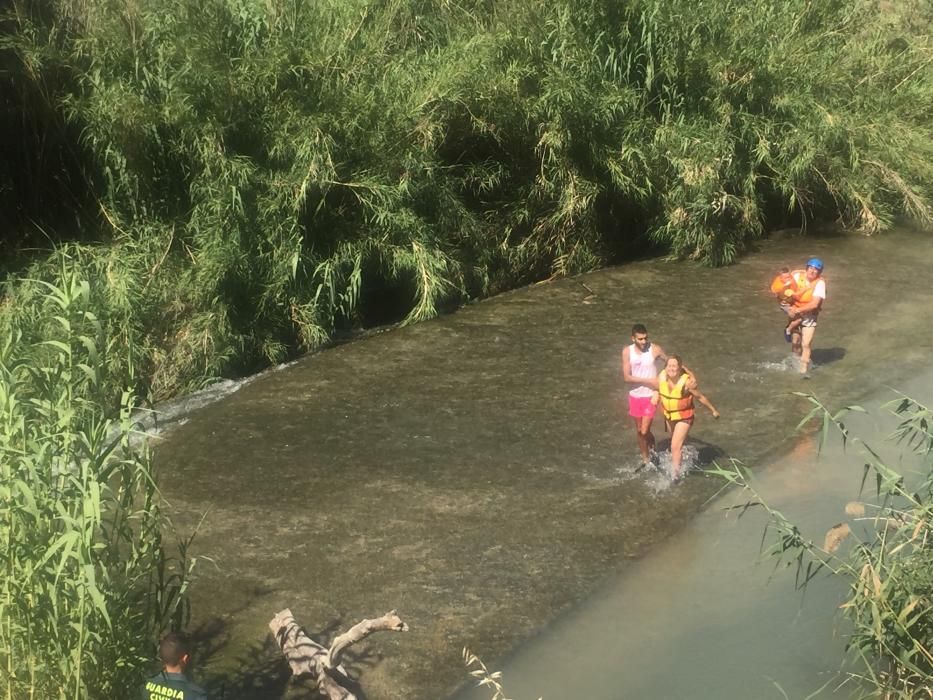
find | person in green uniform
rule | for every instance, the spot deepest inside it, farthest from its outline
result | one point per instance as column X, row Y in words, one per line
column 171, row 682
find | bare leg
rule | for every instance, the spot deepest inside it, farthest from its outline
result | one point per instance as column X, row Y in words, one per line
column 649, row 436
column 807, row 334
column 645, row 437
column 795, row 341
column 678, row 437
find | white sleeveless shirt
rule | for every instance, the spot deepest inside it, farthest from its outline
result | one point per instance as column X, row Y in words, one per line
column 642, row 367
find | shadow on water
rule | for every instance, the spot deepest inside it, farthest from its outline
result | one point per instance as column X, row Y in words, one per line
column 261, row 670
column 707, row 453
column 261, row 673
column 826, row 356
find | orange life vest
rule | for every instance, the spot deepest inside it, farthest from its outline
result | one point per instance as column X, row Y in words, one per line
column 805, row 287
column 676, row 400
column 784, row 289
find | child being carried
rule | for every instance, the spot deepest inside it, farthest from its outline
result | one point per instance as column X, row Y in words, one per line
column 787, row 291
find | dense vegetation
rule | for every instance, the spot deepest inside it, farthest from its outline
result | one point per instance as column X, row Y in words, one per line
column 193, row 188
column 86, row 585
column 238, row 178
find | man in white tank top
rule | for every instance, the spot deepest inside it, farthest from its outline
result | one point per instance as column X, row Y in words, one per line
column 640, row 369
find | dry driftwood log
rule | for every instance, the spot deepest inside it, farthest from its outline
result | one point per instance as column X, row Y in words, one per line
column 307, row 657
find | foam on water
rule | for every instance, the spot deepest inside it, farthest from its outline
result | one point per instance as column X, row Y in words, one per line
column 791, row 363
column 788, row 364
column 657, row 474
column 165, row 416
column 170, row 414
column 158, row 421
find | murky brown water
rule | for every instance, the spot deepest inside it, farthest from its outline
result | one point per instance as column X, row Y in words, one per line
column 477, row 472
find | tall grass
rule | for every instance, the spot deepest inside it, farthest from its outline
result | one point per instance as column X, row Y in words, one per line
column 887, row 568
column 264, row 172
column 86, row 585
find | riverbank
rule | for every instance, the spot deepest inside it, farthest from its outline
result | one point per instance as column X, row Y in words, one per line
column 476, row 472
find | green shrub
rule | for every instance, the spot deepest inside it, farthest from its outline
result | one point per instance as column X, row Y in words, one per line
column 265, row 172
column 86, row 585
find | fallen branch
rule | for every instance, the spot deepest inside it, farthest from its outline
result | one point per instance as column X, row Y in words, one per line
column 307, row 657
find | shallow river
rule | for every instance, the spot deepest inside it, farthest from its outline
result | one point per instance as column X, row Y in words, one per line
column 707, row 614
column 478, row 473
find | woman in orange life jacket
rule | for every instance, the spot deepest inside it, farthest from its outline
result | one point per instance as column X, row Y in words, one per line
column 675, row 396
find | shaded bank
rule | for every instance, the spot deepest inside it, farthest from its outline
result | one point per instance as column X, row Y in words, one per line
column 477, row 471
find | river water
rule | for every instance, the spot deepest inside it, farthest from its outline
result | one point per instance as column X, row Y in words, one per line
column 707, row 614
column 478, row 473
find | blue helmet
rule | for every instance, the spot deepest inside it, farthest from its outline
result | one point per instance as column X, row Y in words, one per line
column 815, row 262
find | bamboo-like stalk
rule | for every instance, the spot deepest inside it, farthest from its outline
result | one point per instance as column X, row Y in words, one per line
column 261, row 174
column 81, row 522
column 887, row 568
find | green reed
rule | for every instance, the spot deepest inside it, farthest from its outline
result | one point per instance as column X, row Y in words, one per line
column 263, row 172
column 86, row 584
column 887, row 567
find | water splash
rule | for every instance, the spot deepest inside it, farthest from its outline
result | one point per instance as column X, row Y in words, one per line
column 790, row 364
column 657, row 474
column 158, row 421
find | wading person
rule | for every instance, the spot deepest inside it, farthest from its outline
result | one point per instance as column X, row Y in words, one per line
column 676, row 392
column 807, row 310
column 640, row 371
column 171, row 682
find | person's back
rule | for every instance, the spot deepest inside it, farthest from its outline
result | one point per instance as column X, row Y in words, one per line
column 165, row 685
column 172, row 682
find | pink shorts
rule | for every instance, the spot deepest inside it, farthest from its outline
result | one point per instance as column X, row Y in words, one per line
column 640, row 407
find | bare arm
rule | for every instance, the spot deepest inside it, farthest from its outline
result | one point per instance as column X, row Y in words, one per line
column 705, row 401
column 626, row 366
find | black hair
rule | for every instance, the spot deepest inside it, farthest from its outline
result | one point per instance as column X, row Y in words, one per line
column 173, row 647
column 639, row 328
